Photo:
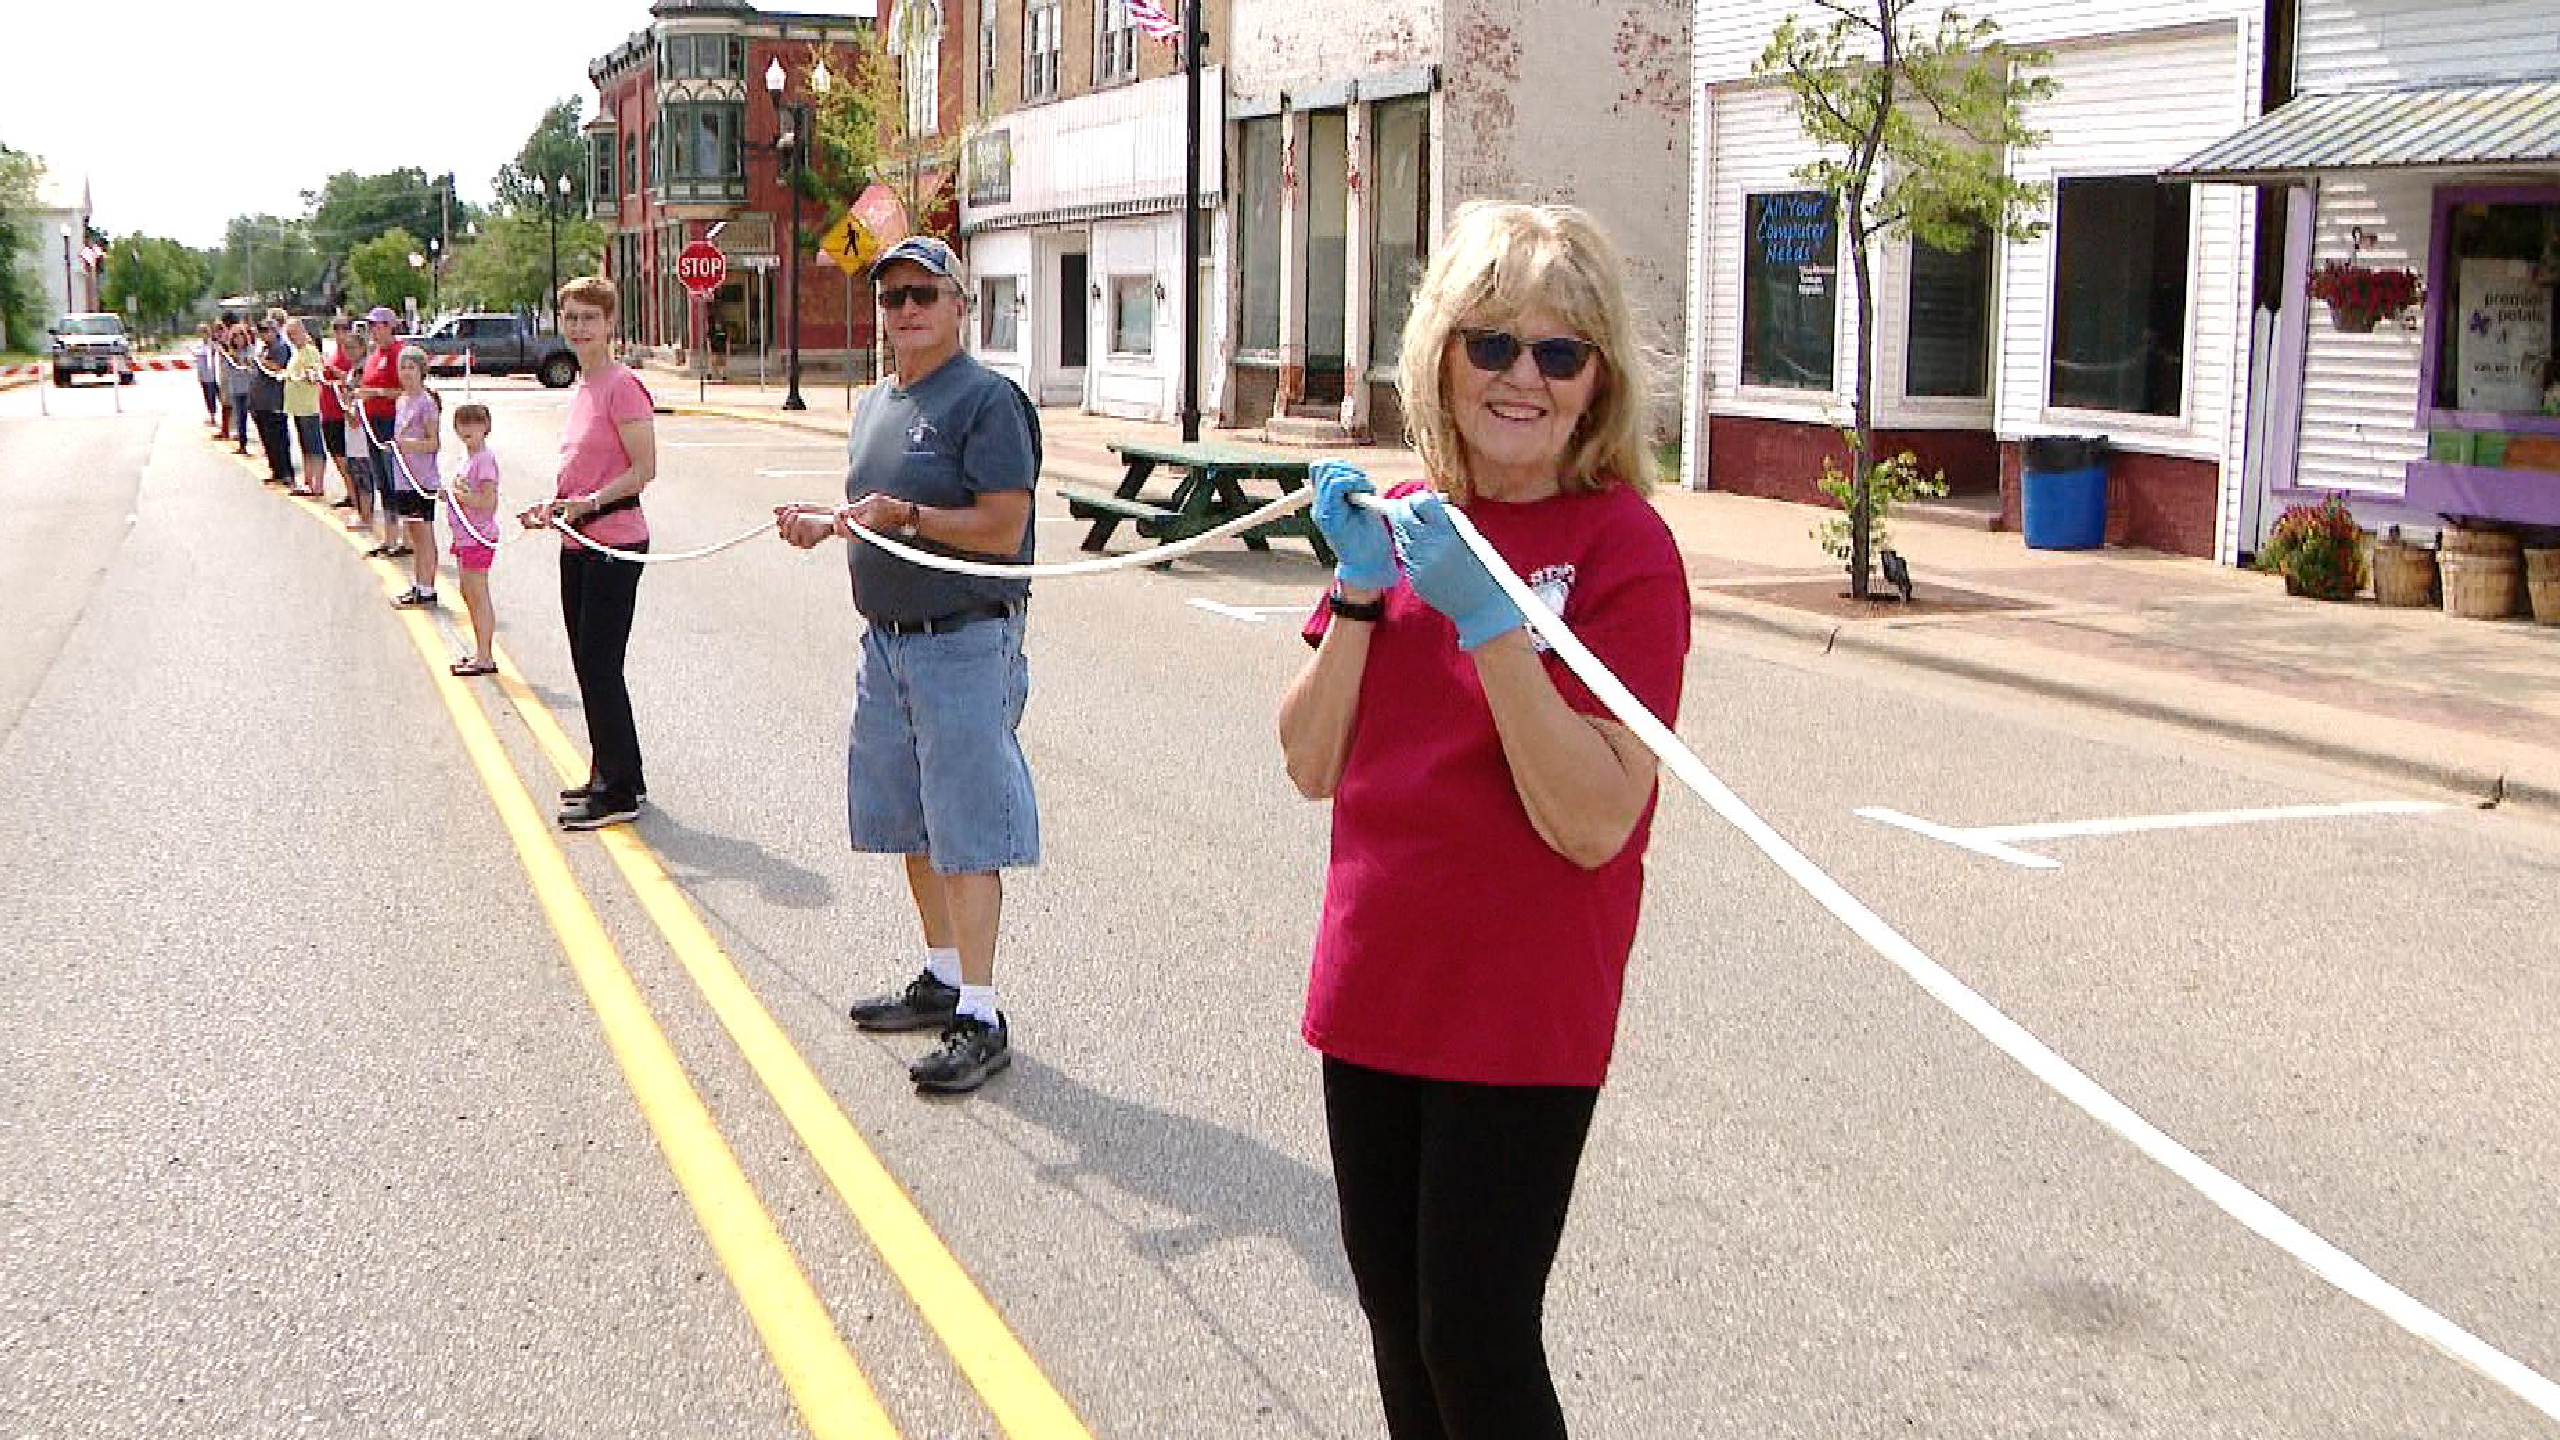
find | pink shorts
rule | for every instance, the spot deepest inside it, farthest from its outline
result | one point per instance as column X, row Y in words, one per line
column 470, row 554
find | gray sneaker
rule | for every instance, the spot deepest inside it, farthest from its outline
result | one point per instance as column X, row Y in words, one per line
column 971, row 1050
column 925, row 1004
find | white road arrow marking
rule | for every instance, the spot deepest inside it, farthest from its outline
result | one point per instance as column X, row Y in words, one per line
column 2000, row 842
column 1249, row 614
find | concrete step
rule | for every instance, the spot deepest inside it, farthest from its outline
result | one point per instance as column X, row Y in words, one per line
column 1966, row 512
column 1308, row 432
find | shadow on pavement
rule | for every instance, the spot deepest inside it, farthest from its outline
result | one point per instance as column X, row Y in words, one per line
column 1229, row 1184
column 702, row 853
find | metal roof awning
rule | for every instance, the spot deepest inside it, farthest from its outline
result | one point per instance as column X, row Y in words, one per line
column 2469, row 127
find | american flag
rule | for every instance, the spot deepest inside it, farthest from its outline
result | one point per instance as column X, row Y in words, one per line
column 1150, row 17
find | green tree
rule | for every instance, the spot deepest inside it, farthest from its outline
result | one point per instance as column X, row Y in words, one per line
column 1914, row 126
column 381, row 270
column 861, row 128
column 265, row 255
column 157, row 280
column 21, row 299
column 555, row 148
column 349, row 209
column 509, row 266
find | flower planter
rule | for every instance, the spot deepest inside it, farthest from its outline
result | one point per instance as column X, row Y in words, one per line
column 2353, row 321
column 2542, row 585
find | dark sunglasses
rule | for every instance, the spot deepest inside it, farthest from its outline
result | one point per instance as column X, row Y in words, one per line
column 916, row 295
column 1558, row 357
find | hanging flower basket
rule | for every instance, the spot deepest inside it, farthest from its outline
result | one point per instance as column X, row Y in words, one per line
column 2360, row 297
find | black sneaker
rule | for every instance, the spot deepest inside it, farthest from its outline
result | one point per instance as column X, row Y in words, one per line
column 597, row 810
column 924, row 1004
column 971, row 1051
column 576, row 793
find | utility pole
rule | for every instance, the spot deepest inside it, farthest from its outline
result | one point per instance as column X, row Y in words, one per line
column 1195, row 38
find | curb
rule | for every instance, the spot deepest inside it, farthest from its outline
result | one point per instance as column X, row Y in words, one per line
column 760, row 417
column 2489, row 786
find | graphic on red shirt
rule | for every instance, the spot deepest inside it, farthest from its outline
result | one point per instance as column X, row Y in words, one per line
column 1455, row 943
column 382, row 372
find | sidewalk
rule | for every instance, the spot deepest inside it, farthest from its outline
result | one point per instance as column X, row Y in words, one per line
column 2468, row 705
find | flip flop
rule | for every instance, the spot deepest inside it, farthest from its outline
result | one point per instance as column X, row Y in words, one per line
column 469, row 666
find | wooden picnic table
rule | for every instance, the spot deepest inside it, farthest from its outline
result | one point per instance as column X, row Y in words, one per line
column 1210, row 492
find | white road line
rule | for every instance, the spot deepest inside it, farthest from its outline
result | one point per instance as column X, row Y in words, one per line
column 2205, row 819
column 1972, row 840
column 1999, row 842
column 1249, row 614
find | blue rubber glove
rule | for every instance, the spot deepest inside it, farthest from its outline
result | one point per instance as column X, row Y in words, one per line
column 1363, row 558
column 1447, row 575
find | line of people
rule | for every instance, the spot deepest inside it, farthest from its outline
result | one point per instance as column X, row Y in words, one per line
column 362, row 408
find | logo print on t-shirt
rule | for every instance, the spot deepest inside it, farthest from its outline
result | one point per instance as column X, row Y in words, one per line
column 920, row 438
column 1553, row 585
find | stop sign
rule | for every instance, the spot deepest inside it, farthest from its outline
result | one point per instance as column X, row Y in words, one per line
column 702, row 267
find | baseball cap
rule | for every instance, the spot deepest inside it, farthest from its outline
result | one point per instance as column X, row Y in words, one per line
column 923, row 250
column 382, row 315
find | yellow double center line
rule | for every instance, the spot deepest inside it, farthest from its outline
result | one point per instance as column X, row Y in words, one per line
column 825, row 1381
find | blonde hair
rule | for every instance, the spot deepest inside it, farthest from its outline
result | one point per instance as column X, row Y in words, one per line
column 1499, row 261
column 592, row 290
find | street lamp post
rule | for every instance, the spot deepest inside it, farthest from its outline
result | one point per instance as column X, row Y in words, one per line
column 70, row 299
column 435, row 277
column 553, row 303
column 796, row 139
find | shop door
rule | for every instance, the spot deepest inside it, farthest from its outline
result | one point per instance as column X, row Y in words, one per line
column 1328, row 236
column 1064, row 384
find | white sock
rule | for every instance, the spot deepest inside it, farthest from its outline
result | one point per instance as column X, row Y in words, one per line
column 944, row 965
column 978, row 1002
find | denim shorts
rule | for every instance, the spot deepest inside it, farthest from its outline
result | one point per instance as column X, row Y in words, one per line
column 933, row 767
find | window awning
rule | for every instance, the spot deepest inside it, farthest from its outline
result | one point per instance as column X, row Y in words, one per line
column 2463, row 127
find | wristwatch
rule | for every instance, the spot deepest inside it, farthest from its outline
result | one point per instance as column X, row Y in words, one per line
column 915, row 516
column 1371, row 611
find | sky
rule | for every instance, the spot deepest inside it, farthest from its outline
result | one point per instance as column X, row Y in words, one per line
column 184, row 113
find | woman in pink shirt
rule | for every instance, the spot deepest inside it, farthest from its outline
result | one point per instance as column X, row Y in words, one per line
column 1489, row 817
column 608, row 455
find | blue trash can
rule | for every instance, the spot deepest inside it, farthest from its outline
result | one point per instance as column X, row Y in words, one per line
column 2062, row 483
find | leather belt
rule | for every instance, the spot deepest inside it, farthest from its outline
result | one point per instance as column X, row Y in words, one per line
column 945, row 624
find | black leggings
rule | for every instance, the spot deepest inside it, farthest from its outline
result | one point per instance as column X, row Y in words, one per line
column 597, row 595
column 1453, row 1198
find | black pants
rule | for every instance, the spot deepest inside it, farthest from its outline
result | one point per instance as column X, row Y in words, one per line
column 1453, row 1198
column 212, row 399
column 275, row 439
column 597, row 593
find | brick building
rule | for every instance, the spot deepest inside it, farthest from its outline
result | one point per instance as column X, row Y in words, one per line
column 684, row 141
column 1357, row 127
column 1071, row 201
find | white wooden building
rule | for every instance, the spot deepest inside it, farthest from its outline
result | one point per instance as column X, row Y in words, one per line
column 1073, row 215
column 2128, row 318
column 2422, row 136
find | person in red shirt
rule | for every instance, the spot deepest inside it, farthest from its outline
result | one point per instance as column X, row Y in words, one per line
column 1489, row 817
column 378, row 409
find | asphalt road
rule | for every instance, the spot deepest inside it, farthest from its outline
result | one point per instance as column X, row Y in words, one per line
column 308, row 1123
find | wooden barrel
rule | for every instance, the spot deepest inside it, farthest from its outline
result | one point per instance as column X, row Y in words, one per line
column 2474, row 541
column 2404, row 575
column 2481, row 586
column 2542, row 583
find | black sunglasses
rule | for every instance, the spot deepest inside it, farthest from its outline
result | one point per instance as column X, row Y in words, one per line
column 1559, row 357
column 916, row 295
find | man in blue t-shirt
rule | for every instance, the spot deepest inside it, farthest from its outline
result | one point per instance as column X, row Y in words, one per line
column 942, row 456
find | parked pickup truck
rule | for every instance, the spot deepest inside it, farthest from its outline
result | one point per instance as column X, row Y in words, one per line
column 90, row 344
column 499, row 345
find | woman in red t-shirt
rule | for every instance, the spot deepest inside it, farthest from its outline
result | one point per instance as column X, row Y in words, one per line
column 1489, row 818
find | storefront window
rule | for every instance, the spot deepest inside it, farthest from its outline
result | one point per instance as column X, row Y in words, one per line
column 1133, row 315
column 1790, row 290
column 2120, row 295
column 1400, row 133
column 1258, row 231
column 2499, row 291
column 1115, row 43
column 1948, row 354
column 997, row 323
